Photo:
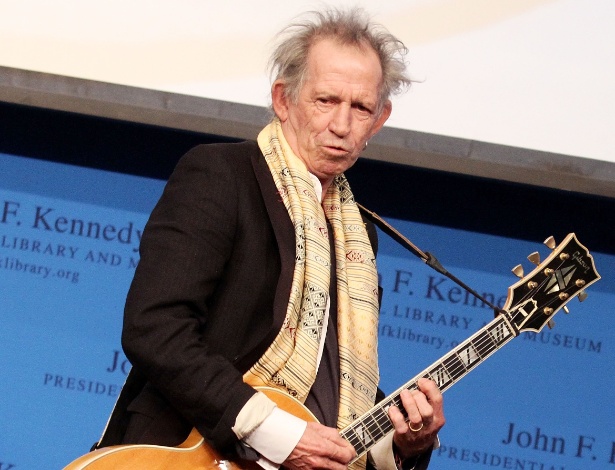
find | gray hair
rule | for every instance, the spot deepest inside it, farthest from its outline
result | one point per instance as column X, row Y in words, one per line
column 353, row 27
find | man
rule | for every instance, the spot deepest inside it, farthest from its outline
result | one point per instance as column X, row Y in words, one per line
column 257, row 270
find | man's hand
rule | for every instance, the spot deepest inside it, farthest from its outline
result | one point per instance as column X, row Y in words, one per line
column 425, row 418
column 320, row 447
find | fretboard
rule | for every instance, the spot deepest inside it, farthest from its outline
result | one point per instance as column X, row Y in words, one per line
column 368, row 429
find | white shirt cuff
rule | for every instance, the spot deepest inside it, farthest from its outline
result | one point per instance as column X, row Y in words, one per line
column 277, row 435
column 382, row 454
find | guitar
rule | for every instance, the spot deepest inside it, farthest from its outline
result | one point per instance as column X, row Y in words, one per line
column 530, row 305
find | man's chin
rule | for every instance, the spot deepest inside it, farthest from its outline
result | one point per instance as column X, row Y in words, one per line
column 331, row 173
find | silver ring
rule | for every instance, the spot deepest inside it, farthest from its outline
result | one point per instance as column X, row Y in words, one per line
column 417, row 429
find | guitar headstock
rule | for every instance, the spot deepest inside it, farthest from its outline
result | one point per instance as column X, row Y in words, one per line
column 564, row 274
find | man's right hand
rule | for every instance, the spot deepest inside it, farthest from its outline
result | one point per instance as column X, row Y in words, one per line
column 320, row 447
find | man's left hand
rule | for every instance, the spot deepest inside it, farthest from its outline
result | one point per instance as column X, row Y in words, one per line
column 417, row 433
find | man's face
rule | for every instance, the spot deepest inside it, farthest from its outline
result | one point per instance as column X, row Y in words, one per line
column 337, row 109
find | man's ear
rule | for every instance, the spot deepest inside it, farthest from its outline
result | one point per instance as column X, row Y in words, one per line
column 384, row 115
column 279, row 100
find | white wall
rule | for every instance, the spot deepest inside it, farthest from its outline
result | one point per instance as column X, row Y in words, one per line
column 536, row 74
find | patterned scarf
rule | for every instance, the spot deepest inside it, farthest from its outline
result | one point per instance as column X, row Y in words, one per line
column 290, row 363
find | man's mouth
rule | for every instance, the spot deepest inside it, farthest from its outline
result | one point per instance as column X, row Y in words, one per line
column 336, row 149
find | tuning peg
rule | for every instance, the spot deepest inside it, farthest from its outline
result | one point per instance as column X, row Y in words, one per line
column 518, row 270
column 550, row 242
column 534, row 258
column 551, row 324
column 566, row 311
column 582, row 296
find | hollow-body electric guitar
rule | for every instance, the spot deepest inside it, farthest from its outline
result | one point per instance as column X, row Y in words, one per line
column 530, row 305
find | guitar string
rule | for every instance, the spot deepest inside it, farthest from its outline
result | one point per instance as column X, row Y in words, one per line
column 530, row 294
column 483, row 345
column 377, row 423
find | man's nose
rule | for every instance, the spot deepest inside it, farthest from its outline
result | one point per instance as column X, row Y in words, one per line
column 340, row 120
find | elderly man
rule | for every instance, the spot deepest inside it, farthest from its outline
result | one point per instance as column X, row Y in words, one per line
column 257, row 270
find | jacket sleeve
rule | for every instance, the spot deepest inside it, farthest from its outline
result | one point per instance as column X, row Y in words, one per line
column 185, row 247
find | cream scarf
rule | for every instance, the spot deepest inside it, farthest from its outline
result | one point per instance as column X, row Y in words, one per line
column 290, row 363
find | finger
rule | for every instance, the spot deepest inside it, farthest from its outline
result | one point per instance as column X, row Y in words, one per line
column 343, row 452
column 320, row 447
column 313, row 462
column 411, row 401
column 423, row 406
column 433, row 395
column 335, row 438
column 340, row 450
column 430, row 389
column 399, row 421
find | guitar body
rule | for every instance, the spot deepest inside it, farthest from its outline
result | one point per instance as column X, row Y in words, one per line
column 193, row 454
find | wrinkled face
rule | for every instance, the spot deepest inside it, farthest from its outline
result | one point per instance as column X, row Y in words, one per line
column 337, row 109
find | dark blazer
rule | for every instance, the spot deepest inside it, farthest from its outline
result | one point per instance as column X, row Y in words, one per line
column 209, row 293
column 208, row 297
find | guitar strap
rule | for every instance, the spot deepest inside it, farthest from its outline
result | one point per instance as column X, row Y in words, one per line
column 425, row 256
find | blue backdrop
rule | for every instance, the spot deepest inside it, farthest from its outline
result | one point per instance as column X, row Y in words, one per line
column 68, row 247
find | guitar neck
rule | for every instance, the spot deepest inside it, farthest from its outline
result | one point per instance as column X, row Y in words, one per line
column 367, row 430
